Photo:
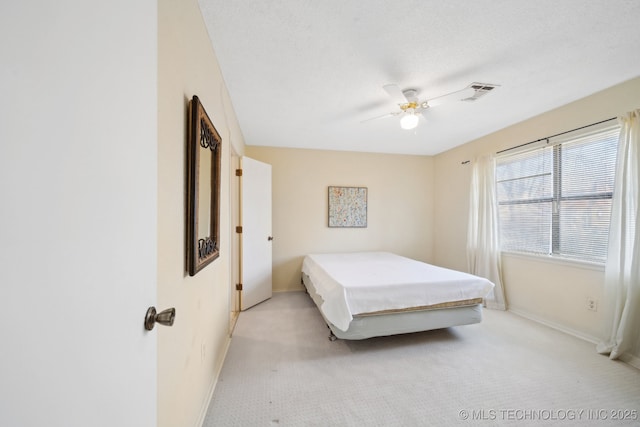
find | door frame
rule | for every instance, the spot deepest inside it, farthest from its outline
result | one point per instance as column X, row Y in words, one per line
column 235, row 241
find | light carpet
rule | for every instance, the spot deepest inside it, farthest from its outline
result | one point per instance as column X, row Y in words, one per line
column 281, row 369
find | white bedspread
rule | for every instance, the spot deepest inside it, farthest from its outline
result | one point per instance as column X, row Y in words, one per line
column 364, row 282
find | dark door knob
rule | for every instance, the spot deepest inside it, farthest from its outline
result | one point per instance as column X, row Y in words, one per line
column 165, row 317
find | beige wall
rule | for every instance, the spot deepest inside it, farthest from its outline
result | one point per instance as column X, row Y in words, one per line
column 190, row 354
column 399, row 214
column 547, row 291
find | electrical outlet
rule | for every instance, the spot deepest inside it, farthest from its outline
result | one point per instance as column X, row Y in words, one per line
column 592, row 304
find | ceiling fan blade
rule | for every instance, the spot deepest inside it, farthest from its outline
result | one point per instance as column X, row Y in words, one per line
column 394, row 92
column 453, row 96
column 379, row 117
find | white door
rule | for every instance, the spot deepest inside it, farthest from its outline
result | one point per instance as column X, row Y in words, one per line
column 256, row 232
column 78, row 214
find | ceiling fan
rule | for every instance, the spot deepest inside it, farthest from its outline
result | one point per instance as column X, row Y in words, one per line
column 412, row 108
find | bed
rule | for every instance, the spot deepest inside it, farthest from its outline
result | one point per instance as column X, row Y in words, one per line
column 367, row 294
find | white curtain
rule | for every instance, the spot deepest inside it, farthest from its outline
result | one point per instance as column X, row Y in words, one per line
column 483, row 245
column 622, row 270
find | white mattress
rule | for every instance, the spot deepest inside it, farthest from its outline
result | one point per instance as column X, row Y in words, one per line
column 365, row 282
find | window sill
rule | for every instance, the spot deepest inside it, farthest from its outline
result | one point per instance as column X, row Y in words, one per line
column 588, row 265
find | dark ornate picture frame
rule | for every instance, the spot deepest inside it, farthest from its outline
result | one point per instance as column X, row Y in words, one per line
column 204, row 147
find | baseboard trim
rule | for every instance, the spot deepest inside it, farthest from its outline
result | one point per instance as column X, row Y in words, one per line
column 631, row 360
column 554, row 325
column 212, row 386
column 296, row 289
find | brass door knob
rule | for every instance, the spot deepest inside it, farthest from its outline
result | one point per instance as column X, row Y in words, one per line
column 165, row 317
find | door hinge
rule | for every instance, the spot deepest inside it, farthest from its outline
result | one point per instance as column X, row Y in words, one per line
column 238, row 286
column 238, row 172
column 239, row 229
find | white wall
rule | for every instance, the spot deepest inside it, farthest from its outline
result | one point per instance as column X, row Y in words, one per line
column 547, row 291
column 399, row 214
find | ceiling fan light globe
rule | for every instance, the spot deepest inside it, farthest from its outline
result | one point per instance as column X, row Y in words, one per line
column 409, row 121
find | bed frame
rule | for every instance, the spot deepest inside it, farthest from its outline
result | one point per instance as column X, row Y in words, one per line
column 394, row 322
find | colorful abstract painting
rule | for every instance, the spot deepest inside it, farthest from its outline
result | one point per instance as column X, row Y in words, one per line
column 347, row 206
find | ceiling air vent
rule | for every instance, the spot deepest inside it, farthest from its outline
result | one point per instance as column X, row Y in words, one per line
column 481, row 89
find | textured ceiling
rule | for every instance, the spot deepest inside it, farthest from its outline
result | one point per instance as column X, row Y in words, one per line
column 305, row 73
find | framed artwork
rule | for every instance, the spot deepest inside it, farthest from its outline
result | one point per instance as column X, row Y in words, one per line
column 204, row 146
column 348, row 207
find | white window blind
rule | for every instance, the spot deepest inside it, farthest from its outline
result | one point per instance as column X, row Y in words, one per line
column 556, row 200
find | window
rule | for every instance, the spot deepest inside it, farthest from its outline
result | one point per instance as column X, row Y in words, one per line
column 556, row 200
